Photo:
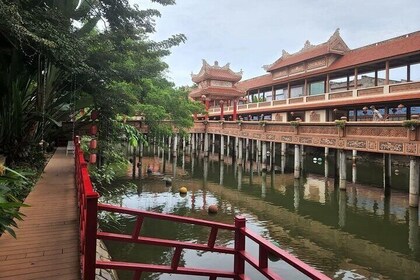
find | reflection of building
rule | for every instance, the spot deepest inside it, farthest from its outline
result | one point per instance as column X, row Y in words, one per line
column 327, row 81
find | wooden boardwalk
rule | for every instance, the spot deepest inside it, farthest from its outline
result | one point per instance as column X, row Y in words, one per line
column 47, row 240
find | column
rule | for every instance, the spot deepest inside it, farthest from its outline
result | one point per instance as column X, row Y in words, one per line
column 175, row 145
column 235, row 108
column 342, row 170
column 282, row 157
column 258, row 152
column 264, row 156
column 297, row 162
column 240, row 150
column 355, row 77
column 413, row 199
column 206, row 144
column 193, row 143
column 296, row 194
column 239, row 177
column 342, row 206
column 213, row 142
column 273, row 156
column 354, row 166
column 222, row 147
column 221, row 174
column 387, row 173
column 413, row 230
column 228, row 146
column 263, row 185
column 184, row 143
column 387, row 72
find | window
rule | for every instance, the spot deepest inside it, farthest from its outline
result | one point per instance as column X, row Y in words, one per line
column 296, row 91
column 317, row 88
column 281, row 93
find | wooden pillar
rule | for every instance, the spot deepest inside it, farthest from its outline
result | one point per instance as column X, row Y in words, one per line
column 413, row 199
column 305, row 87
column 288, row 91
column 327, row 84
column 235, row 109
column 387, row 72
column 342, row 170
column 297, row 162
column 376, row 77
column 355, row 78
column 408, row 72
column 348, row 82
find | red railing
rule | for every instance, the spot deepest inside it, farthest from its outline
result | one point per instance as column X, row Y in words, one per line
column 88, row 205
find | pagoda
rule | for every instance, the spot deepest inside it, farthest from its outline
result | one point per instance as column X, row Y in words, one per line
column 216, row 86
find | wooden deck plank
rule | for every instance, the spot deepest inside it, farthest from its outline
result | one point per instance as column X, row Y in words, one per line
column 47, row 240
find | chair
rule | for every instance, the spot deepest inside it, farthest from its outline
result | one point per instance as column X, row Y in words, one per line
column 70, row 147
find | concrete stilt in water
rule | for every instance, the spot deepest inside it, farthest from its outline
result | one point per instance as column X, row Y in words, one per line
column 273, row 156
column 213, row 142
column 228, row 146
column 221, row 174
column 175, row 145
column 354, row 166
column 258, row 151
column 134, row 162
column 222, row 147
column 184, row 143
column 342, row 170
column 192, row 143
column 264, row 156
column 189, row 143
column 296, row 195
column 413, row 199
column 342, row 207
column 283, row 157
column 169, row 144
column 413, row 230
column 240, row 141
column 206, row 145
column 264, row 185
column 239, row 177
column 326, row 168
column 297, row 162
column 326, row 151
column 200, row 147
column 387, row 173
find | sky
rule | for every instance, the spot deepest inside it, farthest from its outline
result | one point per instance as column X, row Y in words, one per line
column 251, row 33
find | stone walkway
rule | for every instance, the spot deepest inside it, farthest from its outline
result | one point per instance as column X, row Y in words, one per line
column 47, row 240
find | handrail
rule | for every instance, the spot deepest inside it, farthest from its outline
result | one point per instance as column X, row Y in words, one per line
column 88, row 210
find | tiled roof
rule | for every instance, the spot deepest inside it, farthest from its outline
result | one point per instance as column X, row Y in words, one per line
column 315, row 51
column 256, row 82
column 220, row 91
column 382, row 50
column 216, row 72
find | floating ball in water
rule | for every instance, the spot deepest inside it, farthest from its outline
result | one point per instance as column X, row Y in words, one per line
column 213, row 209
column 397, row 171
column 183, row 190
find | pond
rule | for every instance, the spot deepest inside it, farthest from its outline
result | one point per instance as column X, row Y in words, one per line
column 355, row 234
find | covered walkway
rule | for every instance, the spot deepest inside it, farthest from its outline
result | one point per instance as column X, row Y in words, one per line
column 47, row 240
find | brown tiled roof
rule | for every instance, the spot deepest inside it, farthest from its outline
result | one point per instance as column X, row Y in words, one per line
column 315, row 51
column 220, row 91
column 216, row 72
column 379, row 51
column 256, row 82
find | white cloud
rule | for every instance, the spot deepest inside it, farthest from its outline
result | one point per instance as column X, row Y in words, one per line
column 251, row 33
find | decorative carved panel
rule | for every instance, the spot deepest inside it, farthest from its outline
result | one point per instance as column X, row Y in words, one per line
column 297, row 68
column 315, row 117
column 280, row 73
column 341, row 94
column 279, row 102
column 328, row 141
column 391, row 146
column 315, row 98
column 411, row 148
column 286, row 139
column 296, row 100
column 282, row 128
column 370, row 91
column 357, row 144
column 220, row 83
column 323, row 130
column 395, row 132
column 318, row 63
column 404, row 87
column 305, row 140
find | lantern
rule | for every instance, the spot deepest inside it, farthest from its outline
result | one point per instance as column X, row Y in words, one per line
column 93, row 144
column 93, row 130
column 94, row 114
column 92, row 158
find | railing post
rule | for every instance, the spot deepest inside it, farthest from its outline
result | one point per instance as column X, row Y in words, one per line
column 239, row 262
column 90, row 243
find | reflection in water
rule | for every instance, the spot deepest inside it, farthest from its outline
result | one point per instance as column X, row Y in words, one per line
column 353, row 234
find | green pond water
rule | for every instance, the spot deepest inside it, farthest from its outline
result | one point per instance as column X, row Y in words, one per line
column 357, row 234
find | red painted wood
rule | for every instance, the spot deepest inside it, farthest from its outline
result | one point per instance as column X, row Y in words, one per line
column 137, row 229
column 263, row 257
column 212, row 237
column 176, row 257
column 239, row 263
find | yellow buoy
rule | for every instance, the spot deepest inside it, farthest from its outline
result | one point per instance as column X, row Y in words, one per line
column 183, row 190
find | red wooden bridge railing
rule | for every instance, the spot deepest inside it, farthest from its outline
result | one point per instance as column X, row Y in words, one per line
column 89, row 207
